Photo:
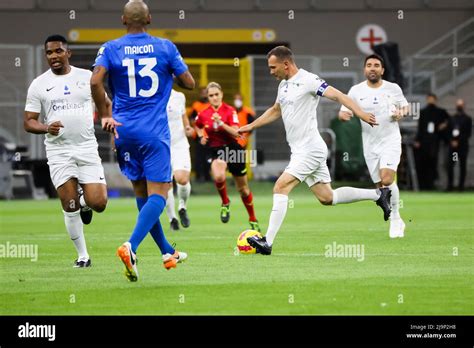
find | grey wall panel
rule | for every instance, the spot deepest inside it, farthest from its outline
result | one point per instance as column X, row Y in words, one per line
column 312, row 33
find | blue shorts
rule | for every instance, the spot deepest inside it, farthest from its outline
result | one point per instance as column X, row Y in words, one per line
column 148, row 159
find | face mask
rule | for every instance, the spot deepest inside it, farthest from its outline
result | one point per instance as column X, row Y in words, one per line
column 460, row 109
column 238, row 103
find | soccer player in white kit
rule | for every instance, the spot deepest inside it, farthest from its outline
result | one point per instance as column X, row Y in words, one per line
column 180, row 129
column 298, row 97
column 383, row 144
column 63, row 94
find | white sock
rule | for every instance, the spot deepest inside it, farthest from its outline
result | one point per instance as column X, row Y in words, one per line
column 394, row 201
column 170, row 205
column 352, row 194
column 75, row 229
column 183, row 194
column 280, row 205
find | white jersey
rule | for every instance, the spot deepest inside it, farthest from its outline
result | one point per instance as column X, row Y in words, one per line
column 66, row 98
column 298, row 98
column 381, row 102
column 176, row 108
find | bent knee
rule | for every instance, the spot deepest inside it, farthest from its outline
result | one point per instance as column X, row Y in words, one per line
column 182, row 181
column 325, row 200
column 99, row 206
column 244, row 191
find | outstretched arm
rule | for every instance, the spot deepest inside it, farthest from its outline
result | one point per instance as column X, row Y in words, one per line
column 270, row 115
column 336, row 95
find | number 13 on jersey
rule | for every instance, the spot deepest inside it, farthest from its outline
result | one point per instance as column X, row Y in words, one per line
column 146, row 71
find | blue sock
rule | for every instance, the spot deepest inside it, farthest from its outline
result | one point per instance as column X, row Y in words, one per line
column 160, row 239
column 148, row 216
column 157, row 231
column 141, row 202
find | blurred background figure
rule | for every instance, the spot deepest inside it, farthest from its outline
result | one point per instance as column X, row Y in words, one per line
column 431, row 127
column 458, row 133
column 246, row 116
column 201, row 166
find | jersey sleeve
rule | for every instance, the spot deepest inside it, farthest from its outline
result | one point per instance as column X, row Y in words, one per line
column 177, row 64
column 198, row 122
column 398, row 97
column 317, row 85
column 233, row 119
column 33, row 99
column 351, row 95
column 102, row 58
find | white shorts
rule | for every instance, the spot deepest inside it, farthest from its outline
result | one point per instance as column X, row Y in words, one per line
column 389, row 158
column 85, row 166
column 180, row 157
column 309, row 168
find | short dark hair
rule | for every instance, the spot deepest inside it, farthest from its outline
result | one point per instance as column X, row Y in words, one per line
column 375, row 56
column 431, row 94
column 55, row 38
column 282, row 53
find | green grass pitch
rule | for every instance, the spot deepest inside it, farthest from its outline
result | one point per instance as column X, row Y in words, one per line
column 430, row 271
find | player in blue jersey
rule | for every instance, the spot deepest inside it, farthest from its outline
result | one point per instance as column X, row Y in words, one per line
column 141, row 69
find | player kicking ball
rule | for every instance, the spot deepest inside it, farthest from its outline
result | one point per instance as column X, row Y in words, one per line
column 63, row 94
column 298, row 97
column 141, row 69
column 383, row 144
column 180, row 129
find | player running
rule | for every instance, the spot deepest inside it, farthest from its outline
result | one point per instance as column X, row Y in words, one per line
column 298, row 97
column 180, row 129
column 141, row 69
column 383, row 144
column 217, row 128
column 63, row 94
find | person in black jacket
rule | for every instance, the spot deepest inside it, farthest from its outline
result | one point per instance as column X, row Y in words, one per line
column 459, row 132
column 431, row 127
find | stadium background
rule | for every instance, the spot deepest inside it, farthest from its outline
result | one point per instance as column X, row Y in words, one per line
column 322, row 34
column 429, row 272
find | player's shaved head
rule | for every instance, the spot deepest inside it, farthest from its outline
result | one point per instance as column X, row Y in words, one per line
column 136, row 14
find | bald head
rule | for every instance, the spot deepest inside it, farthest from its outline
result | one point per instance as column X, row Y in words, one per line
column 136, row 14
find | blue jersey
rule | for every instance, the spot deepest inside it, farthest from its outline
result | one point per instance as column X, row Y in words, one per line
column 140, row 69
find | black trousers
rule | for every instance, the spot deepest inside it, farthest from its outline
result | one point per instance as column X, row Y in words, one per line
column 427, row 166
column 457, row 155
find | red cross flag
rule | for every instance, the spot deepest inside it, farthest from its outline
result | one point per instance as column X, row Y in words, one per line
column 368, row 36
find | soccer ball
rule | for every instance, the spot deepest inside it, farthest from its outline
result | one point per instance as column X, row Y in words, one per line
column 242, row 245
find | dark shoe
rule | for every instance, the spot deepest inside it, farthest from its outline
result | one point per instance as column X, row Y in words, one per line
column 225, row 213
column 384, row 202
column 260, row 244
column 174, row 225
column 86, row 215
column 82, row 264
column 183, row 217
